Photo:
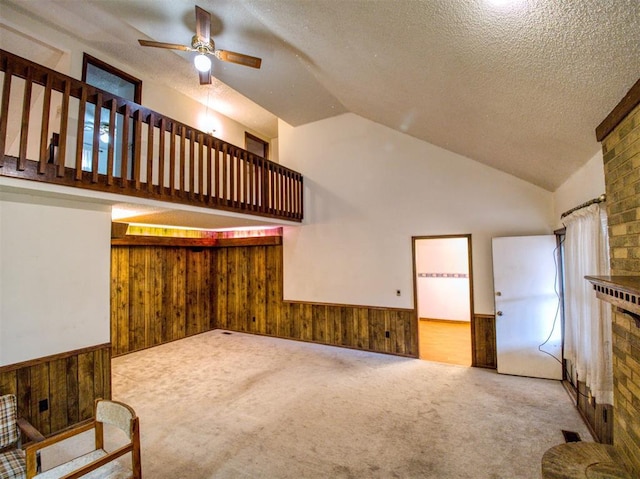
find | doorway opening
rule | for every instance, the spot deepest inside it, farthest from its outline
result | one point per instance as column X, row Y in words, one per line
column 443, row 297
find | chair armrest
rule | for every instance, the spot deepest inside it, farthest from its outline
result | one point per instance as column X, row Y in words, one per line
column 31, row 449
column 92, row 466
column 30, row 432
column 61, row 436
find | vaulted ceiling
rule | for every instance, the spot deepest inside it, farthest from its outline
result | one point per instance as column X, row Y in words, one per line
column 518, row 85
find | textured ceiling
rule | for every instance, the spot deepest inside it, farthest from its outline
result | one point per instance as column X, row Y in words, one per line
column 518, row 87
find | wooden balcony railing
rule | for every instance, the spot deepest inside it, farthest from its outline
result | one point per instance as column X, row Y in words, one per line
column 57, row 129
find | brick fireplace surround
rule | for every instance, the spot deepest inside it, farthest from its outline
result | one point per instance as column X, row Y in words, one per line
column 620, row 137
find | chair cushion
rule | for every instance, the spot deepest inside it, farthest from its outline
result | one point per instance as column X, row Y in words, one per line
column 112, row 470
column 12, row 465
column 8, row 421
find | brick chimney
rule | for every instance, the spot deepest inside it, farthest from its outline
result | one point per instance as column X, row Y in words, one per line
column 620, row 137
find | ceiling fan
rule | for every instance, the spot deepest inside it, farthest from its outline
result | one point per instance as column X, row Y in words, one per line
column 204, row 46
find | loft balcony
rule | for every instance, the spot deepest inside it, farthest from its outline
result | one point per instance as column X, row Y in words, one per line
column 56, row 129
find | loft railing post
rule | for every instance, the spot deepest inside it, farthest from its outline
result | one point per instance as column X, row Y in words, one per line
column 150, row 134
column 95, row 143
column 183, row 165
column 80, row 132
column 192, row 159
column 113, row 105
column 44, row 131
column 6, row 94
column 161, row 155
column 201, row 166
column 172, row 160
column 24, row 130
column 64, row 125
column 137, row 147
column 124, row 163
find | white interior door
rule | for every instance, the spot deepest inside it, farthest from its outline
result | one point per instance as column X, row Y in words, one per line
column 527, row 313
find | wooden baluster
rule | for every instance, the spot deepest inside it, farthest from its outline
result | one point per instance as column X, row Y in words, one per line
column 172, row 160
column 239, row 178
column 285, row 192
column 6, row 95
column 183, row 153
column 229, row 183
column 299, row 191
column 216, row 176
column 113, row 105
column 245, row 178
column 161, row 154
column 232, row 170
column 80, row 132
column 301, row 196
column 201, row 166
column 290, row 190
column 264, row 187
column 95, row 144
column 124, row 165
column 64, row 126
column 210, row 163
column 44, row 131
column 24, row 130
column 250, row 182
column 150, row 135
column 137, row 147
column 272, row 188
column 280, row 191
column 192, row 161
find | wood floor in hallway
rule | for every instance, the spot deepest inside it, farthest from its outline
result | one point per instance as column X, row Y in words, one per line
column 445, row 341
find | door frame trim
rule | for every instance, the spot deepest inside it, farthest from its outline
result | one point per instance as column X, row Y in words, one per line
column 415, row 286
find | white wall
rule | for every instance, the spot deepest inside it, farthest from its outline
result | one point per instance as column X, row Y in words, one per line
column 443, row 297
column 585, row 184
column 54, row 276
column 369, row 189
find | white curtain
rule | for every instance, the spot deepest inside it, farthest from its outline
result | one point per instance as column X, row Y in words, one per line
column 587, row 319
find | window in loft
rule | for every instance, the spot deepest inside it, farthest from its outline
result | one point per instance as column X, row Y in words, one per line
column 110, row 79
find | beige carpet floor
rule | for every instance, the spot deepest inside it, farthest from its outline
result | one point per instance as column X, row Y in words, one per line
column 234, row 405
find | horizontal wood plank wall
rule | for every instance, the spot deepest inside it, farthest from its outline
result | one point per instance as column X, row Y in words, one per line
column 483, row 341
column 160, row 294
column 69, row 383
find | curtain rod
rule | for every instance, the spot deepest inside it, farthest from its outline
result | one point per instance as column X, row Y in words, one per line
column 600, row 199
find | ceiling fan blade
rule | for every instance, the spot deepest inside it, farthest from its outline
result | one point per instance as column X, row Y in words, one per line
column 205, row 77
column 170, row 46
column 203, row 25
column 239, row 58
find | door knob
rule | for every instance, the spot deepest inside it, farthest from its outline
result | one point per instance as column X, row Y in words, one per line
column 499, row 313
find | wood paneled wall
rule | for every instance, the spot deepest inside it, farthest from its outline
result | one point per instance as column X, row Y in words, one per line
column 160, row 294
column 599, row 417
column 483, row 341
column 67, row 384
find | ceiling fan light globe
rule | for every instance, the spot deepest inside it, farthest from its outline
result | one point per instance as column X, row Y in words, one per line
column 202, row 63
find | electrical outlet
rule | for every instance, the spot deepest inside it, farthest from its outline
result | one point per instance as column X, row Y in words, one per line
column 43, row 405
column 386, row 334
column 398, row 292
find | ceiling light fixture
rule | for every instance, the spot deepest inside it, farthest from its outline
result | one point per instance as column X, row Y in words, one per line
column 202, row 63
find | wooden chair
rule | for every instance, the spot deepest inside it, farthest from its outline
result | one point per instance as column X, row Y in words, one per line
column 12, row 457
column 97, row 464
